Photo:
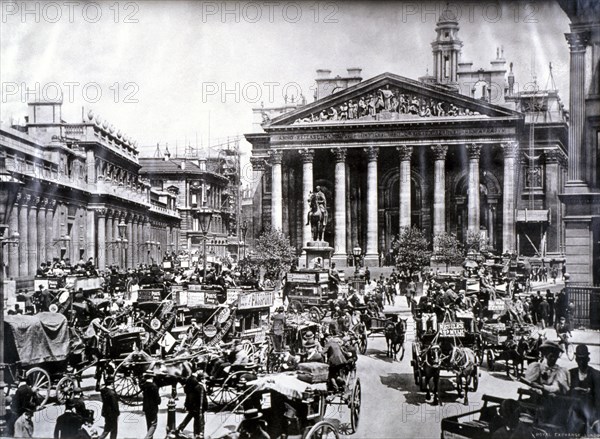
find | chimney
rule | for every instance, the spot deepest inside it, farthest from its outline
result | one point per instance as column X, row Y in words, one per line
column 323, row 73
column 202, row 164
column 354, row 72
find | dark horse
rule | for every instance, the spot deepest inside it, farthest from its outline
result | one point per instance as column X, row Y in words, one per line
column 464, row 361
column 318, row 220
column 394, row 337
column 432, row 358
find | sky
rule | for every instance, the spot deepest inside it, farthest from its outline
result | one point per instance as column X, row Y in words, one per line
column 183, row 72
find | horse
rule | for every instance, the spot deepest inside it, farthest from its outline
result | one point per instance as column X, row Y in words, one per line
column 464, row 361
column 511, row 355
column 318, row 220
column 432, row 358
column 394, row 337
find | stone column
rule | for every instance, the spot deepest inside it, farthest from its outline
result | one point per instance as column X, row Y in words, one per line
column 108, row 246
column 74, row 250
column 578, row 42
column 307, row 187
column 133, row 242
column 130, row 249
column 405, row 186
column 41, row 230
column 51, row 230
column 276, row 191
column 511, row 150
column 340, row 206
column 372, row 248
column 13, row 250
column 32, row 236
column 23, row 237
column 552, row 177
column 91, row 236
column 439, row 189
column 473, row 205
column 101, row 262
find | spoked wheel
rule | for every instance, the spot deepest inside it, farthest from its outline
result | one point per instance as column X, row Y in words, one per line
column 109, row 322
column 229, row 390
column 355, row 402
column 323, row 430
column 39, row 380
column 315, row 314
column 274, row 362
column 570, row 349
column 127, row 383
column 363, row 342
column 248, row 347
column 64, row 388
column 475, row 382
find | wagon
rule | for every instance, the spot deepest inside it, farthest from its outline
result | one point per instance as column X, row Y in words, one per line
column 39, row 347
column 293, row 408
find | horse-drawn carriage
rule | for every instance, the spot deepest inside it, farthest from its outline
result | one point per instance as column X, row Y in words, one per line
column 39, row 347
column 290, row 406
column 453, row 346
column 309, row 290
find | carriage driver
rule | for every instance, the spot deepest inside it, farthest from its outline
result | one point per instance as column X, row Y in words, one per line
column 546, row 375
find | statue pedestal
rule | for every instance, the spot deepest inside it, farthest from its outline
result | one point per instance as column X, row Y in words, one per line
column 316, row 251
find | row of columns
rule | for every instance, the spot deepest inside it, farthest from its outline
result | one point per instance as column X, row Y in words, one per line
column 510, row 150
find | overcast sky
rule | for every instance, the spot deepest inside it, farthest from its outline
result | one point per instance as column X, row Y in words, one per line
column 165, row 68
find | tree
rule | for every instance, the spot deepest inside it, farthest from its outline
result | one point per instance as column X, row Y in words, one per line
column 447, row 249
column 412, row 250
column 274, row 253
column 475, row 242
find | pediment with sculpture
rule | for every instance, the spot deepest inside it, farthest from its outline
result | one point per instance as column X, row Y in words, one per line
column 387, row 98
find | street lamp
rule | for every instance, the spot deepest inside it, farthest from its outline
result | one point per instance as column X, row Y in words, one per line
column 122, row 242
column 356, row 252
column 244, row 231
column 204, row 216
column 9, row 187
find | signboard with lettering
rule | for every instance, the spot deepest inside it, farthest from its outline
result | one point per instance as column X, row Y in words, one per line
column 232, row 296
column 210, row 298
column 256, row 299
column 194, row 287
column 185, row 264
column 302, row 277
column 149, row 296
column 195, row 298
column 452, row 329
column 497, row 305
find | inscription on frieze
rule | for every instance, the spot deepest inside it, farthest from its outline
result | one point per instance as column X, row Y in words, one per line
column 392, row 134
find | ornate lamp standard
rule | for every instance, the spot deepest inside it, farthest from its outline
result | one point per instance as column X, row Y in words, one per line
column 9, row 187
column 356, row 252
column 122, row 243
column 204, row 216
column 244, row 231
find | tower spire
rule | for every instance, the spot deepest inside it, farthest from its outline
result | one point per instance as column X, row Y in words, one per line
column 446, row 48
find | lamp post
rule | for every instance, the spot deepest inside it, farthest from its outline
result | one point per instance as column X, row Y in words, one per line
column 356, row 252
column 244, row 231
column 204, row 216
column 9, row 187
column 122, row 242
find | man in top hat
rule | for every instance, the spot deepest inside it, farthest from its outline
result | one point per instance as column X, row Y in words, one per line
column 151, row 401
column 110, row 409
column 196, row 404
column 585, row 388
column 68, row 425
column 252, row 427
column 25, row 398
column 546, row 375
column 24, row 424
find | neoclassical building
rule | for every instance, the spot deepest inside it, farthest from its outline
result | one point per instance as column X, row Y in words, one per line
column 80, row 181
column 391, row 152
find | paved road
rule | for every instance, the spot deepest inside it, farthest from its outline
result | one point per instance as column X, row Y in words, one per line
column 392, row 405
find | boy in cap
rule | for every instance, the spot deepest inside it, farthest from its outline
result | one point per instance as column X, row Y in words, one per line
column 24, row 424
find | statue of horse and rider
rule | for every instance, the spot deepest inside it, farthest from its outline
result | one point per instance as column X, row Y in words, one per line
column 317, row 215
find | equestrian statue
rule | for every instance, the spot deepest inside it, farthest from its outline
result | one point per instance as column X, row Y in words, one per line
column 317, row 215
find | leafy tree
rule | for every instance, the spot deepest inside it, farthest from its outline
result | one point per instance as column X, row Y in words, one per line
column 448, row 249
column 273, row 253
column 475, row 242
column 412, row 250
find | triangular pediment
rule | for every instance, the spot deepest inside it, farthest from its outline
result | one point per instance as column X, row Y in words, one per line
column 389, row 97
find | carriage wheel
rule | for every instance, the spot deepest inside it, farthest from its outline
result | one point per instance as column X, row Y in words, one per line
column 363, row 342
column 109, row 323
column 126, row 384
column 322, row 430
column 315, row 314
column 273, row 362
column 295, row 306
column 64, row 388
column 355, row 407
column 40, row 382
column 475, row 382
column 229, row 390
column 248, row 347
